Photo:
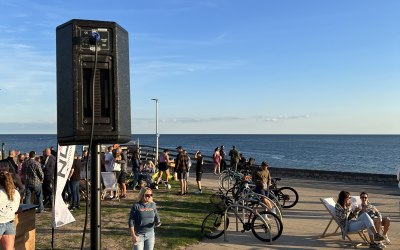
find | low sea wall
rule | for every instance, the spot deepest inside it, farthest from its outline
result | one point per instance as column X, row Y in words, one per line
column 379, row 179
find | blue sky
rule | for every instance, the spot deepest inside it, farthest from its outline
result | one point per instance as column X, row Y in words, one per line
column 287, row 67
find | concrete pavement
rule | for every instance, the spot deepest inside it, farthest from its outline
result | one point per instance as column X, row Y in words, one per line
column 304, row 223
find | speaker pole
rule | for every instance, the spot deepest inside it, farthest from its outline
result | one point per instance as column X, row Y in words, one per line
column 95, row 209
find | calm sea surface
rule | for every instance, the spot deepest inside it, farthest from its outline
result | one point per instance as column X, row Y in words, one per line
column 346, row 153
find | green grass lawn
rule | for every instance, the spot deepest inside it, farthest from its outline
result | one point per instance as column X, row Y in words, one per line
column 181, row 218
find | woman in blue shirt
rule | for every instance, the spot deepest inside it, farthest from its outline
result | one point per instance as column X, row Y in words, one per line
column 142, row 220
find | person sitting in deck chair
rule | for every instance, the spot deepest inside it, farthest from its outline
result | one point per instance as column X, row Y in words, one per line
column 349, row 222
column 376, row 216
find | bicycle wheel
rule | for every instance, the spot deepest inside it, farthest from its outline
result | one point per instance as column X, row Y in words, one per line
column 287, row 196
column 261, row 231
column 228, row 182
column 213, row 225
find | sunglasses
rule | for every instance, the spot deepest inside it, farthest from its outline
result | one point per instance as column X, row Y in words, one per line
column 148, row 195
column 364, row 197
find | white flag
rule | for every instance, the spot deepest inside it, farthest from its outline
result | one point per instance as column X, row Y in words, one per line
column 65, row 158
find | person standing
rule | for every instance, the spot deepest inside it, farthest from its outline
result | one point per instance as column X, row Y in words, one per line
column 398, row 175
column 163, row 167
column 21, row 159
column 234, row 154
column 33, row 181
column 49, row 167
column 9, row 203
column 217, row 161
column 262, row 179
column 199, row 170
column 74, row 181
column 181, row 168
column 223, row 154
column 109, row 159
column 124, row 171
column 135, row 168
column 11, row 158
column 142, row 220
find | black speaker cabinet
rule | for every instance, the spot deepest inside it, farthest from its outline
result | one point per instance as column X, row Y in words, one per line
column 78, row 42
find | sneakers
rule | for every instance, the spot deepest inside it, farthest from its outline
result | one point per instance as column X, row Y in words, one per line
column 378, row 237
column 376, row 246
column 198, row 192
column 387, row 240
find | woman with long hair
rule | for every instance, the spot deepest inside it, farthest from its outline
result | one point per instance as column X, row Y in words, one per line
column 9, row 203
column 5, row 166
column 349, row 222
column 142, row 220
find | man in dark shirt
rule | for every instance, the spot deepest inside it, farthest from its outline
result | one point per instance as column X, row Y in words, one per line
column 48, row 170
column 33, row 181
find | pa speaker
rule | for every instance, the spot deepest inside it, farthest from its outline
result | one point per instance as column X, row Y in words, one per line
column 82, row 47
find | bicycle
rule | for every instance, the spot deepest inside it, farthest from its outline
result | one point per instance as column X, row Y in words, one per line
column 287, row 196
column 265, row 225
column 244, row 192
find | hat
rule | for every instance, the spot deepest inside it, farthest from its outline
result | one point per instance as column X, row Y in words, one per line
column 264, row 163
column 116, row 146
column 180, row 147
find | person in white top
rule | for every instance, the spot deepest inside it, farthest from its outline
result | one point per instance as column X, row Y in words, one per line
column 9, row 203
column 398, row 175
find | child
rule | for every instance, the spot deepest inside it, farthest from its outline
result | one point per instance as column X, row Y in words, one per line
column 199, row 170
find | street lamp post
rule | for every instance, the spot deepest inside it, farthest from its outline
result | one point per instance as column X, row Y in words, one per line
column 157, row 135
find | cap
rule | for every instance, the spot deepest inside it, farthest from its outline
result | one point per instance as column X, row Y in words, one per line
column 264, row 163
column 179, row 147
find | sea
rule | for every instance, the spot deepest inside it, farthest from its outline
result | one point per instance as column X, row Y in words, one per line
column 344, row 153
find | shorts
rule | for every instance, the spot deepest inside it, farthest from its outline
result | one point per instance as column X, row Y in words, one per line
column 182, row 175
column 122, row 178
column 7, row 228
column 260, row 190
column 198, row 176
column 162, row 166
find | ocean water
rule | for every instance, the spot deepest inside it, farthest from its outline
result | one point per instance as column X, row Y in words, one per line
column 345, row 153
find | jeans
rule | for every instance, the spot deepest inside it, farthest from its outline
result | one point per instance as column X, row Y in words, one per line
column 75, row 196
column 146, row 241
column 7, row 228
column 38, row 196
column 135, row 177
column 362, row 222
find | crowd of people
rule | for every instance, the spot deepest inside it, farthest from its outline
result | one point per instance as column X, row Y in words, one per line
column 26, row 178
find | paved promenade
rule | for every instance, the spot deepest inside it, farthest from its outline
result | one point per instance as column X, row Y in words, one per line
column 304, row 223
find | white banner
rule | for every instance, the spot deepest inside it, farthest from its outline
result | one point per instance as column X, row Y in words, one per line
column 65, row 158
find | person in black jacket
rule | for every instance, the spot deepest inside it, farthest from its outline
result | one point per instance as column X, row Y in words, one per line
column 49, row 167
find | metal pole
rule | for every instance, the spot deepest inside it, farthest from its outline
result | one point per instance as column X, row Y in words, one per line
column 95, row 209
column 157, row 135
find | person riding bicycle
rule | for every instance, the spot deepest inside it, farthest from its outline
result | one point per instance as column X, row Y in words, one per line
column 262, row 179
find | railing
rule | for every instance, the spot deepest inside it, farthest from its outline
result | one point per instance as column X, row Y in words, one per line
column 147, row 152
